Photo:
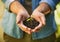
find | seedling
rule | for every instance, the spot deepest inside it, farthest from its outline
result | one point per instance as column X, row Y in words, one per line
column 31, row 23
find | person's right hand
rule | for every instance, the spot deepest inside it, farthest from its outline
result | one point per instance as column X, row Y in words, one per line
column 17, row 8
column 21, row 16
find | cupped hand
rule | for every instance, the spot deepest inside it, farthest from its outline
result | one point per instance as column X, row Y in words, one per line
column 40, row 17
column 21, row 16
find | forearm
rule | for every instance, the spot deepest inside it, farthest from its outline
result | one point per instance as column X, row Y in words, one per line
column 15, row 7
column 44, row 8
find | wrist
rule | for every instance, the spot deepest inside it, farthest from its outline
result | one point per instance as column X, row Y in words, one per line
column 21, row 11
column 44, row 8
column 15, row 7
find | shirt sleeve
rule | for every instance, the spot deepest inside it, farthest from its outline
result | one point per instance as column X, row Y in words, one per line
column 7, row 3
column 51, row 3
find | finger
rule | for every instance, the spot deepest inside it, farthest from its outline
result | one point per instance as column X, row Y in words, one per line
column 24, row 28
column 18, row 19
column 38, row 27
column 43, row 18
column 36, row 17
column 27, row 29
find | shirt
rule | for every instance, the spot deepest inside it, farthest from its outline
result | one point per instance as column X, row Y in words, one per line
column 9, row 20
column 28, row 6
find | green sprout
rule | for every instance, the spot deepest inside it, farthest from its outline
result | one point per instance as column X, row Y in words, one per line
column 29, row 19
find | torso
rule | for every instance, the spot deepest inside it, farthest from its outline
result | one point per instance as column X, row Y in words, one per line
column 28, row 6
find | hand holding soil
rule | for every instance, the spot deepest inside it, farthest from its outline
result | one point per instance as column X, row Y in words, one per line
column 31, row 23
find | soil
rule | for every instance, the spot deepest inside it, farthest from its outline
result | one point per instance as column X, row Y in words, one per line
column 31, row 23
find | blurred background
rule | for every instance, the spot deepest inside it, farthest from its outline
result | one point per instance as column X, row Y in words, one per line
column 57, row 19
column 1, row 15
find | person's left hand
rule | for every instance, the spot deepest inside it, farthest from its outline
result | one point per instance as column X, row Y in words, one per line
column 40, row 17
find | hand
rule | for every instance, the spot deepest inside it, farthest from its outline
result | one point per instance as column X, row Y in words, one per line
column 38, row 16
column 21, row 16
